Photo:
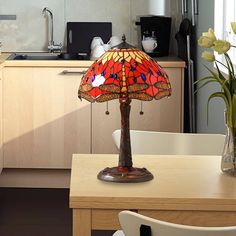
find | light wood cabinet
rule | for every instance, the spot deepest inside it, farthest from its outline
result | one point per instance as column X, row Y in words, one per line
column 1, row 134
column 162, row 115
column 44, row 121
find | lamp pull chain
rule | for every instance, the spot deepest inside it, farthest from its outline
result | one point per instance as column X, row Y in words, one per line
column 141, row 109
column 107, row 111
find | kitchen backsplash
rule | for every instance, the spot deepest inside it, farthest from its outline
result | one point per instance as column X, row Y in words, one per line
column 29, row 32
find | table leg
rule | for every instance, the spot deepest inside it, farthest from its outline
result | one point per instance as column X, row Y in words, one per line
column 82, row 222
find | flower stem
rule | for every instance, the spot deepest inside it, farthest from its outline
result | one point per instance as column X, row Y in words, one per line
column 221, row 64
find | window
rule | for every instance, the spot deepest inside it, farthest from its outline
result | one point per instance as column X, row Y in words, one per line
column 225, row 13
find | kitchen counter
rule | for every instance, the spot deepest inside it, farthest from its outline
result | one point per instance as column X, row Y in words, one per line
column 3, row 57
column 170, row 61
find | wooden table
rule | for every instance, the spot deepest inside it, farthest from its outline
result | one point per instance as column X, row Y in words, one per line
column 185, row 189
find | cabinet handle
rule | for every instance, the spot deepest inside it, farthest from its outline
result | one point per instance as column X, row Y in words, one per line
column 196, row 7
column 65, row 72
column 194, row 12
column 184, row 7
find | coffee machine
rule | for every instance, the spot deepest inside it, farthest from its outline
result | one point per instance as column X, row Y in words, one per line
column 158, row 27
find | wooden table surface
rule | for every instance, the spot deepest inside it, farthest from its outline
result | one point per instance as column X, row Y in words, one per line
column 185, row 189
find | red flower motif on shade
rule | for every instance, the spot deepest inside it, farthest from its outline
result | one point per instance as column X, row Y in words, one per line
column 124, row 72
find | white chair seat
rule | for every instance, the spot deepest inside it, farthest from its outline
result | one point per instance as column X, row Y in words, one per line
column 131, row 222
column 119, row 233
column 165, row 143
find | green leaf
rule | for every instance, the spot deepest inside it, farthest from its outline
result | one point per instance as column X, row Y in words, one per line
column 202, row 79
column 233, row 86
column 220, row 74
column 227, row 87
column 225, row 81
column 215, row 95
column 204, row 84
column 230, row 62
column 229, row 71
column 224, row 86
column 234, row 110
column 229, row 74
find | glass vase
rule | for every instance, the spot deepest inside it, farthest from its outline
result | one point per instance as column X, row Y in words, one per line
column 228, row 161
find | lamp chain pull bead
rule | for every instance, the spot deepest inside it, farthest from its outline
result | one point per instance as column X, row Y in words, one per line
column 107, row 111
column 141, row 108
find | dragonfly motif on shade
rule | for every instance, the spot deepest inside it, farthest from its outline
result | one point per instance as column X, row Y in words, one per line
column 124, row 73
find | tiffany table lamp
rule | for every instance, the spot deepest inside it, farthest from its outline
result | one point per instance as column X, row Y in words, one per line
column 124, row 73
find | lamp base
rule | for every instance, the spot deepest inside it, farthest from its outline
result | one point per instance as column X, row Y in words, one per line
column 125, row 175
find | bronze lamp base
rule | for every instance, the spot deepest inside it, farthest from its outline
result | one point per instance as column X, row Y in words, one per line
column 125, row 175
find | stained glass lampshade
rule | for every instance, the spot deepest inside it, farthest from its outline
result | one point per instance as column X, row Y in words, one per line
column 124, row 73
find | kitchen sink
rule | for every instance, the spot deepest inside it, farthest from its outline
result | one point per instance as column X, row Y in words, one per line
column 46, row 56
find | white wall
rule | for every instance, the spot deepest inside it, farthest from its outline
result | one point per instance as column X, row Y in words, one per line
column 29, row 31
column 215, row 122
column 115, row 11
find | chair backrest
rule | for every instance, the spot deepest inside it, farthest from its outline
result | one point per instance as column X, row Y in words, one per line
column 165, row 143
column 130, row 223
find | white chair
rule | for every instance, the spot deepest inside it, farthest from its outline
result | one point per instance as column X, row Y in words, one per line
column 130, row 223
column 163, row 143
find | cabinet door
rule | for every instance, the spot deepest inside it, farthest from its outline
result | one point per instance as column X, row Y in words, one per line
column 44, row 121
column 162, row 115
column 103, row 125
column 1, row 151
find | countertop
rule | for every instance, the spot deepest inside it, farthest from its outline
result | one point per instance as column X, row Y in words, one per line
column 3, row 57
column 170, row 61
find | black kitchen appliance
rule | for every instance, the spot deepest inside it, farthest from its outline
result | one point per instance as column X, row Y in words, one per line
column 187, row 50
column 158, row 27
column 80, row 35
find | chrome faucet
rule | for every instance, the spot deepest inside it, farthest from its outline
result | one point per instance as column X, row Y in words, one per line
column 51, row 46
